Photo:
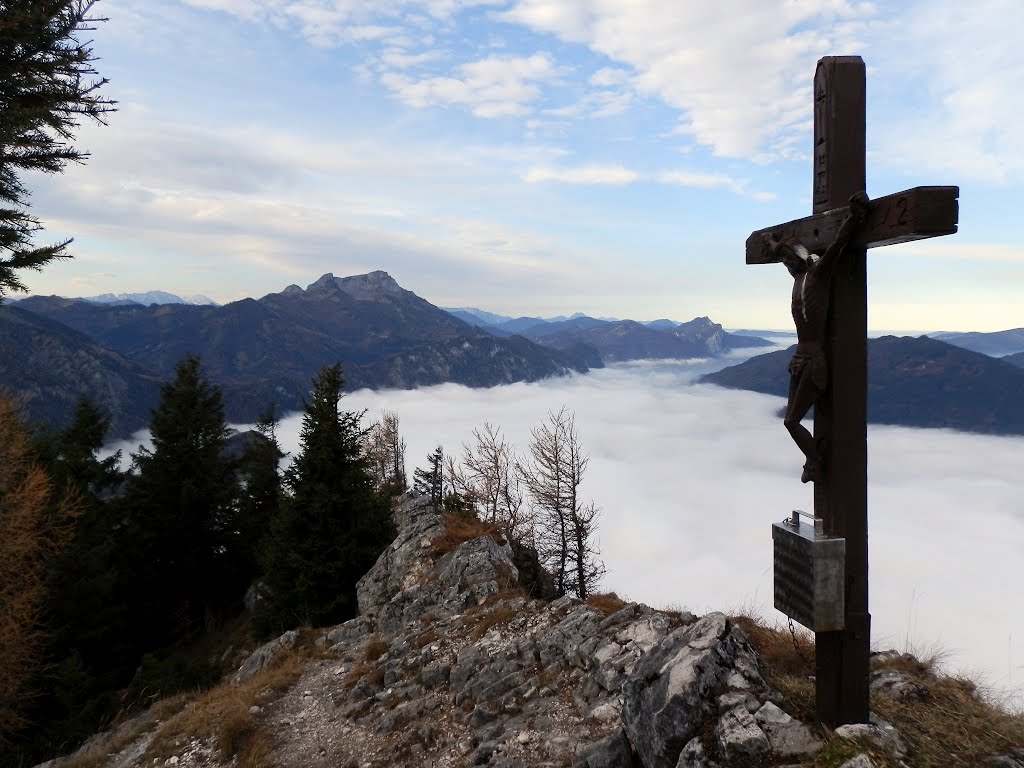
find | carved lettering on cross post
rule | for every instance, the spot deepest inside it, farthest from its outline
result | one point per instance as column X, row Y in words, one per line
column 831, row 358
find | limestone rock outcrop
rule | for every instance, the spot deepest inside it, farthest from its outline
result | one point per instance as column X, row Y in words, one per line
column 449, row 664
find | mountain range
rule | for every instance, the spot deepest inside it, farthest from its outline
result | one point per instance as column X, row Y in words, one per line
column 145, row 299
column 263, row 351
column 916, row 382
column 616, row 340
column 997, row 344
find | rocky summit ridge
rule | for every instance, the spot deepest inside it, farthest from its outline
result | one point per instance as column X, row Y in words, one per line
column 450, row 664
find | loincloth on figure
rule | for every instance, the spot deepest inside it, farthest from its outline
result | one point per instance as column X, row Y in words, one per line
column 818, row 365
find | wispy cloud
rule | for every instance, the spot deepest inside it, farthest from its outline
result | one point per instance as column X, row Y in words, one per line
column 619, row 175
column 591, row 174
column 497, row 86
column 737, row 72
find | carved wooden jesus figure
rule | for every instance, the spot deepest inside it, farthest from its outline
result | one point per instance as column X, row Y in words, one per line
column 808, row 370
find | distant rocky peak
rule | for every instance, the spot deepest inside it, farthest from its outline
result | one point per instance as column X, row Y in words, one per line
column 326, row 282
column 370, row 286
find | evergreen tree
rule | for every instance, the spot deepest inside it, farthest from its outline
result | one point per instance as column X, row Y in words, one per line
column 47, row 83
column 181, row 506
column 430, row 481
column 332, row 524
column 261, row 491
column 87, row 658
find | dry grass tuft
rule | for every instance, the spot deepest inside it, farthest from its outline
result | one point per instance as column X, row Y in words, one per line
column 789, row 662
column 223, row 713
column 459, row 529
column 606, row 603
column 784, row 652
column 489, row 619
column 375, row 648
column 915, row 665
column 425, row 638
column 954, row 726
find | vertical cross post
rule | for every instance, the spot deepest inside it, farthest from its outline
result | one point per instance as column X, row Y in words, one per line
column 839, row 459
column 840, row 418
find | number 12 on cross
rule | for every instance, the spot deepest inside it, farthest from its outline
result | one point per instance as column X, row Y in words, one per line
column 826, row 255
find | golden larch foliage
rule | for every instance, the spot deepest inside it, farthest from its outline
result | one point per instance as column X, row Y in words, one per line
column 34, row 527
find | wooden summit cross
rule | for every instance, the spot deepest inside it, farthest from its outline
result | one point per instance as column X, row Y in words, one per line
column 840, row 413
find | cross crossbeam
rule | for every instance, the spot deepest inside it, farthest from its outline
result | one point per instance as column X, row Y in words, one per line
column 914, row 214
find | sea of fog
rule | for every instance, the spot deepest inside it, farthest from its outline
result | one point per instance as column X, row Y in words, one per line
column 690, row 478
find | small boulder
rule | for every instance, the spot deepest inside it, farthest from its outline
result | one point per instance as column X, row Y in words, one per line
column 878, row 732
column 787, row 736
column 694, row 756
column 612, row 752
column 669, row 694
column 262, row 655
column 739, row 736
column 896, row 685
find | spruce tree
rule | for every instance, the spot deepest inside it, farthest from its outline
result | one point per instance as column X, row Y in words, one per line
column 332, row 524
column 47, row 84
column 88, row 658
column 261, row 491
column 182, row 539
column 430, row 480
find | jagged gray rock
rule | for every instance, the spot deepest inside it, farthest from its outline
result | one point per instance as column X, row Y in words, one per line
column 786, row 735
column 612, row 752
column 406, row 585
column 668, row 696
column 739, row 736
column 262, row 655
column 447, row 666
column 897, row 685
column 694, row 756
column 878, row 732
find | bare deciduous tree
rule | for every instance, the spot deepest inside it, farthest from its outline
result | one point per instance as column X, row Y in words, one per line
column 565, row 525
column 486, row 476
column 385, row 449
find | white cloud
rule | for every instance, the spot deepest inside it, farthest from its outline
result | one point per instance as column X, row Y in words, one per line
column 399, row 59
column 737, row 71
column 700, row 180
column 497, row 86
column 591, row 174
column 619, row 175
column 963, row 67
column 609, row 76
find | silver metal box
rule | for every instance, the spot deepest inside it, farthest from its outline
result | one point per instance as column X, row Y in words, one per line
column 809, row 572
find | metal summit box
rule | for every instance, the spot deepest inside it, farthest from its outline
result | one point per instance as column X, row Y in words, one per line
column 809, row 574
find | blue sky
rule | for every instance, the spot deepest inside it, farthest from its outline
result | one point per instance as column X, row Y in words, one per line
column 536, row 156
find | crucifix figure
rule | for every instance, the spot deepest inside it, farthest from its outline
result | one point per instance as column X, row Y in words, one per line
column 836, row 320
column 812, row 287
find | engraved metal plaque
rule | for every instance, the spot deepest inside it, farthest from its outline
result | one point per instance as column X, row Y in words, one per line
column 809, row 570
